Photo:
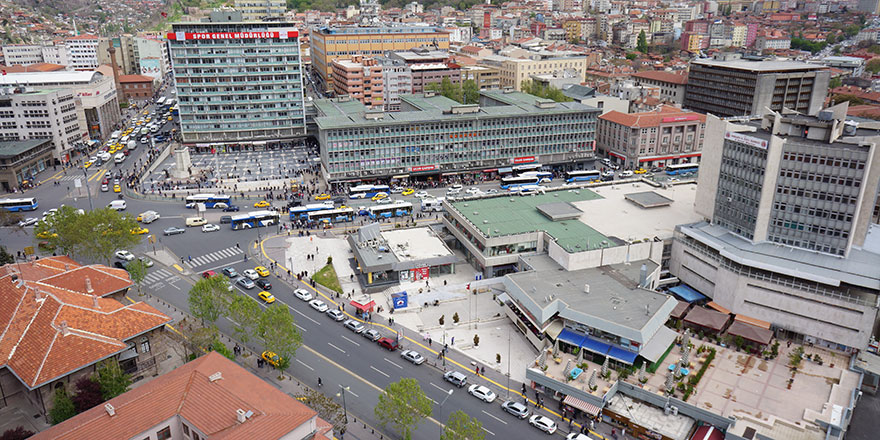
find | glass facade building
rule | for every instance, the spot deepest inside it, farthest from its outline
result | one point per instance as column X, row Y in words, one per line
column 238, row 81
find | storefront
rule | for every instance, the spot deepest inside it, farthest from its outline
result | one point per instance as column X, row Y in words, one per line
column 21, row 161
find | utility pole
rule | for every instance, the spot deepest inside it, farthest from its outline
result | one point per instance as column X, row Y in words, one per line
column 88, row 191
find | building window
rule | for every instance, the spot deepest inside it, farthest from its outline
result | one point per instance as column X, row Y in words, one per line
column 185, row 429
column 145, row 345
column 164, row 434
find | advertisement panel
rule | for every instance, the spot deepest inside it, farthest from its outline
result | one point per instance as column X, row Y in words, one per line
column 423, row 168
column 524, row 159
column 180, row 36
column 744, row 139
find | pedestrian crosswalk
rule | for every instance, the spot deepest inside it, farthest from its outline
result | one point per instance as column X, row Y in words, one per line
column 222, row 254
column 70, row 178
column 156, row 276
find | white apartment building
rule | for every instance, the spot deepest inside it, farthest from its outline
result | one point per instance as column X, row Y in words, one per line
column 27, row 113
column 152, row 57
column 256, row 10
column 83, row 52
column 27, row 54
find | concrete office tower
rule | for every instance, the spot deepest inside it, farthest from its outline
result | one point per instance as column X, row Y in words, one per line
column 256, row 10
column 789, row 239
column 728, row 85
column 237, row 81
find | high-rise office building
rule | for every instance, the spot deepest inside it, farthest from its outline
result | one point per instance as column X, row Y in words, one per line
column 728, row 85
column 256, row 10
column 237, row 81
column 789, row 200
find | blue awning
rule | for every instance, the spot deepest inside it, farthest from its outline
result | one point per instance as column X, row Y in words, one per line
column 687, row 293
column 570, row 337
column 596, row 346
column 622, row 355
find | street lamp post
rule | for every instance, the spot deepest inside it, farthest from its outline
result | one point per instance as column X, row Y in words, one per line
column 88, row 191
column 344, row 410
column 440, row 415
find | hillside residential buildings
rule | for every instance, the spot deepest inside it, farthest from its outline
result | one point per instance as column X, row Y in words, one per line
column 652, row 139
column 788, row 201
column 237, row 81
column 42, row 114
column 728, row 85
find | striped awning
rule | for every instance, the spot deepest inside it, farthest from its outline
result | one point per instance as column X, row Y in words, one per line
column 574, row 402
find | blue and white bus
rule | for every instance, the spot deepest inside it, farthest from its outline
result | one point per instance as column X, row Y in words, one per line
column 582, row 176
column 367, row 191
column 302, row 212
column 255, row 219
column 396, row 209
column 210, row 200
column 161, row 102
column 15, row 205
column 526, row 167
column 515, row 182
column 682, row 168
column 543, row 176
column 329, row 216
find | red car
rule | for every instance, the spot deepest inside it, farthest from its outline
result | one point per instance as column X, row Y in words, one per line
column 105, row 182
column 388, row 344
column 208, row 274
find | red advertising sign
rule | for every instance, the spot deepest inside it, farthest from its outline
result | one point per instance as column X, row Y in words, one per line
column 420, row 273
column 680, row 118
column 524, row 159
column 180, row 36
column 423, row 168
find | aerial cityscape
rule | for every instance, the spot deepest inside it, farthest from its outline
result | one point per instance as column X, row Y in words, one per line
column 370, row 220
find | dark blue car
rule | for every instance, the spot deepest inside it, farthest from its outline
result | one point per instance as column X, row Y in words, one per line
column 230, row 208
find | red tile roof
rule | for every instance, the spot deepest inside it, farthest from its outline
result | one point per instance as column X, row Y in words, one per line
column 38, row 67
column 210, row 406
column 51, row 325
column 649, row 119
column 135, row 78
column 657, row 75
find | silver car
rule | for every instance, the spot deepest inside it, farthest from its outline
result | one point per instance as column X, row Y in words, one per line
column 413, row 356
column 355, row 326
column 516, row 408
column 247, row 283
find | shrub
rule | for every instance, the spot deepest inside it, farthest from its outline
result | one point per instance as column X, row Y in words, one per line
column 329, row 260
column 653, row 367
column 695, row 379
column 18, row 433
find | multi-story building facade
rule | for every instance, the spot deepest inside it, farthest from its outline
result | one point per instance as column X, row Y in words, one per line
column 27, row 54
column 672, row 85
column 98, row 110
column 772, row 41
column 428, row 67
column 329, row 44
column 360, row 78
column 20, row 161
column 653, row 139
column 730, row 86
column 151, row 55
column 237, row 81
column 41, row 114
column 789, row 200
column 136, row 86
column 485, row 77
column 514, row 71
column 433, row 134
column 83, row 51
column 256, row 10
column 396, row 81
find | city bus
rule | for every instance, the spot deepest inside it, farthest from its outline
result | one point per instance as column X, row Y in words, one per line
column 396, row 209
column 15, row 205
column 168, row 104
column 514, row 182
column 303, row 211
column 210, row 200
column 543, row 176
column 367, row 191
column 582, row 176
column 160, row 102
column 526, row 167
column 682, row 168
column 255, row 219
column 331, row 216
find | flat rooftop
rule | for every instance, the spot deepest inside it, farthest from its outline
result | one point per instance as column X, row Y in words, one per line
column 415, row 244
column 759, row 66
column 652, row 417
column 14, row 148
column 400, row 249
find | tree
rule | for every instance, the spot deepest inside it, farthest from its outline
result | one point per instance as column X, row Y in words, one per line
column 221, row 348
column 62, row 407
column 245, row 315
column 834, row 83
column 137, row 270
column 88, row 395
column 209, row 299
column 112, row 379
column 470, row 92
column 402, row 406
column 450, row 90
column 631, row 56
column 95, row 235
column 278, row 333
column 18, row 433
column 642, row 44
column 5, row 257
column 873, row 65
column 462, row 427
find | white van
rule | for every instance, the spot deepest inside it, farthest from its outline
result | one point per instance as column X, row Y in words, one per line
column 119, row 158
column 145, row 131
column 124, row 139
column 105, row 156
column 115, row 136
column 118, row 205
column 432, row 205
column 132, row 144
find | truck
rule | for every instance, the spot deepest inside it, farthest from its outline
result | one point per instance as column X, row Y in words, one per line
column 432, row 205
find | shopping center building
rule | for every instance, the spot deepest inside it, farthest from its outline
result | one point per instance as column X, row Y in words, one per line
column 433, row 135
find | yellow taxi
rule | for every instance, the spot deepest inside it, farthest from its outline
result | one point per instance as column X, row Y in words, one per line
column 272, row 358
column 87, row 164
column 266, row 296
column 262, row 204
column 117, row 188
column 380, row 196
column 322, row 196
column 46, row 234
column 261, row 271
column 408, row 191
column 138, row 123
column 140, row 231
column 146, row 112
column 640, row 171
column 148, row 119
column 170, row 118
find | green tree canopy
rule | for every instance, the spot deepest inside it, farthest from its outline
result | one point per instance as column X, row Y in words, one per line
column 402, row 406
column 549, row 92
column 112, row 379
column 873, row 66
column 462, row 427
column 470, row 92
column 209, row 299
column 95, row 235
column 137, row 270
column 245, row 316
column 5, row 257
column 278, row 333
column 642, row 43
column 62, row 407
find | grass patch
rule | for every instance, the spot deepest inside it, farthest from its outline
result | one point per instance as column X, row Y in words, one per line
column 327, row 278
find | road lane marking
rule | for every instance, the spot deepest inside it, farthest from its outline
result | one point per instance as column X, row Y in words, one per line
column 304, row 315
column 352, row 393
column 304, row 365
column 393, row 363
column 331, row 344
column 380, row 371
column 496, row 418
column 349, row 340
column 441, row 389
column 490, row 432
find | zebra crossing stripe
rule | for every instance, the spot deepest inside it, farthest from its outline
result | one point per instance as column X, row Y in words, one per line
column 212, row 257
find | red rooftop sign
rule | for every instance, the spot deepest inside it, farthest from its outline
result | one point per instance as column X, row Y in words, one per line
column 680, row 118
column 423, row 168
column 180, row 36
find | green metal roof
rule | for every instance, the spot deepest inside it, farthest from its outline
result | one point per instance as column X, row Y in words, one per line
column 436, row 102
column 515, row 214
column 14, row 148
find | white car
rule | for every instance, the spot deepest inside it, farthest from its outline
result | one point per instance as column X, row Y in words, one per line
column 124, row 255
column 318, row 305
column 626, row 173
column 250, row 273
column 473, row 191
column 105, row 187
column 491, row 191
column 577, row 436
column 30, row 221
column 302, row 294
column 482, row 393
column 421, row 194
column 384, row 201
column 543, row 423
column 210, row 227
column 336, row 315
column 413, row 356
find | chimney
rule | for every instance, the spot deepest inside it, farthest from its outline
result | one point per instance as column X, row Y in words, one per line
column 89, row 285
column 240, row 415
column 115, row 66
column 111, row 411
column 66, row 267
column 64, row 329
column 95, row 301
column 643, row 275
column 215, row 377
column 38, row 294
